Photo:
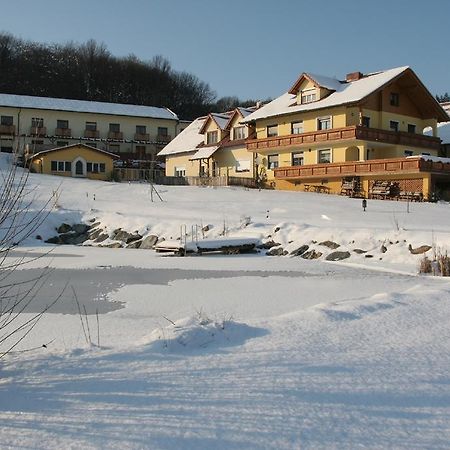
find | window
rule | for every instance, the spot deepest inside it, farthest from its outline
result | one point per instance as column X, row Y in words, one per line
column 6, row 149
column 60, row 166
column 411, row 128
column 393, row 125
column 93, row 167
column 91, row 126
column 6, row 120
column 61, row 143
column 92, row 144
column 212, row 137
column 365, row 121
column 37, row 122
column 238, row 133
column 102, row 167
column 141, row 129
column 180, row 171
column 308, row 96
column 63, row 124
column 163, row 131
column 272, row 161
column 272, row 130
column 324, row 156
column 408, row 152
column 114, row 127
column 114, row 148
column 243, row 165
column 394, row 99
column 297, row 127
column 297, row 159
column 324, row 123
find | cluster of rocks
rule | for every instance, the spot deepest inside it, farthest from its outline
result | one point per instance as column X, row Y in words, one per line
column 96, row 235
column 304, row 251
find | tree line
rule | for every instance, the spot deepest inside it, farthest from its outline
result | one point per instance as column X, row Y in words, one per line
column 88, row 71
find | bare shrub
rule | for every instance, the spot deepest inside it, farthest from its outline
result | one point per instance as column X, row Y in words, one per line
column 425, row 265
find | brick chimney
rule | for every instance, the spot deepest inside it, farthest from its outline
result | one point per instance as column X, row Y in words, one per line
column 353, row 76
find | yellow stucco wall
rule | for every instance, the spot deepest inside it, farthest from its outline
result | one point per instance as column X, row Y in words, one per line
column 42, row 163
column 227, row 161
column 181, row 160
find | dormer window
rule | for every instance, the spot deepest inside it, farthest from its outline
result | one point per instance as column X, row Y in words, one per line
column 238, row 133
column 308, row 96
column 212, row 137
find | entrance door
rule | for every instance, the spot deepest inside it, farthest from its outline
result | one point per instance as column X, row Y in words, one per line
column 79, row 168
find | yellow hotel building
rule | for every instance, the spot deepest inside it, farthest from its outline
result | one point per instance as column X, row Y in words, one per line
column 362, row 136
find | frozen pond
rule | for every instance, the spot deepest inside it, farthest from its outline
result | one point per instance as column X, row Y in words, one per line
column 96, row 287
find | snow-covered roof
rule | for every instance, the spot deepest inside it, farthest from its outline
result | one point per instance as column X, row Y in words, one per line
column 84, row 106
column 330, row 83
column 204, row 152
column 245, row 111
column 66, row 147
column 220, row 119
column 187, row 140
column 347, row 92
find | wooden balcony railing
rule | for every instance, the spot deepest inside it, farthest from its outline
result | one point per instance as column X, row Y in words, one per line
column 92, row 134
column 116, row 135
column 7, row 129
column 63, row 132
column 38, row 131
column 163, row 138
column 357, row 168
column 141, row 137
column 346, row 133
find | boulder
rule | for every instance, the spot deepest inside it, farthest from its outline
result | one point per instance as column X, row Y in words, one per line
column 299, row 251
column 359, row 251
column 94, row 234
column 149, row 241
column 312, row 254
column 80, row 228
column 269, row 244
column 368, row 256
column 276, row 251
column 53, row 240
column 134, row 244
column 64, row 228
column 383, row 249
column 337, row 256
column 124, row 236
column 419, row 250
column 330, row 244
column 101, row 237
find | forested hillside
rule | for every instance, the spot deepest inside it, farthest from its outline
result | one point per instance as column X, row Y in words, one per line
column 90, row 72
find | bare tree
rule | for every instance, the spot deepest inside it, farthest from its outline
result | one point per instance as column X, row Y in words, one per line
column 19, row 219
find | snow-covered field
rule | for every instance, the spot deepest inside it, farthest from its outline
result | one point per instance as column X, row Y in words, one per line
column 233, row 352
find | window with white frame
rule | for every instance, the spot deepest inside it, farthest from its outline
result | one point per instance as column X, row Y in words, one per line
column 297, row 127
column 324, row 156
column 180, row 171
column 272, row 162
column 37, row 122
column 243, row 165
column 297, row 159
column 308, row 96
column 212, row 137
column 95, row 167
column 91, row 126
column 324, row 123
column 60, row 166
column 6, row 120
column 272, row 130
column 238, row 133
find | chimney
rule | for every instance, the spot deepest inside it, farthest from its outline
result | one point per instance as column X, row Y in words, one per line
column 354, row 76
column 258, row 104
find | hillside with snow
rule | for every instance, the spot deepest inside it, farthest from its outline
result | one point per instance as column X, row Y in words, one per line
column 230, row 351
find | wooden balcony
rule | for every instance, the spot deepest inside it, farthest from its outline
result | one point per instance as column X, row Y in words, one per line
column 345, row 134
column 359, row 168
column 142, row 137
column 63, row 132
column 115, row 135
column 91, row 134
column 8, row 130
column 163, row 138
column 38, row 131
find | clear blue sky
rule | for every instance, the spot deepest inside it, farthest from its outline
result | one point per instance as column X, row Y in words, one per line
column 249, row 48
